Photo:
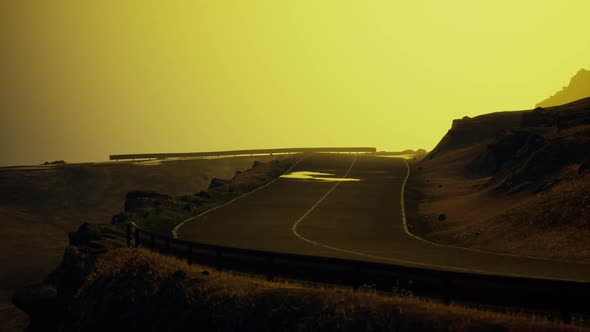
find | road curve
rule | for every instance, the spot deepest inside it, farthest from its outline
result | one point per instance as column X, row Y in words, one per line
column 361, row 219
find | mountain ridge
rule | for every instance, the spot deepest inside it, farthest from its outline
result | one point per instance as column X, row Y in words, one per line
column 578, row 88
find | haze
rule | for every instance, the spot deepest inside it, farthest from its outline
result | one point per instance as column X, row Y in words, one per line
column 80, row 81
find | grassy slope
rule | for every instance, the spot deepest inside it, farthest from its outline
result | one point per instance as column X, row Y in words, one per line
column 492, row 212
column 127, row 284
column 39, row 205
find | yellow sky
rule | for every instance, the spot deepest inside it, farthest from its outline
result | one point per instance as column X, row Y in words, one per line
column 79, row 81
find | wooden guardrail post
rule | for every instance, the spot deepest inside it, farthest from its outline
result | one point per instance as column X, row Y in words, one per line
column 190, row 254
column 136, row 238
column 447, row 289
column 356, row 277
column 219, row 258
column 566, row 305
column 128, row 235
column 270, row 268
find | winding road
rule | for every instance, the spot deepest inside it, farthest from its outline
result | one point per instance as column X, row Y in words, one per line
column 350, row 206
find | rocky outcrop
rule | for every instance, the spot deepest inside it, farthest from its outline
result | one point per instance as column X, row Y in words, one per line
column 578, row 88
column 218, row 183
column 509, row 148
column 46, row 303
column 86, row 233
column 524, row 150
column 482, row 128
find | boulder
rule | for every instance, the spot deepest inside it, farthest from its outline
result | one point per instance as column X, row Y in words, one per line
column 86, row 233
column 217, row 183
column 145, row 194
column 584, row 167
column 70, row 274
column 203, row 195
column 119, row 218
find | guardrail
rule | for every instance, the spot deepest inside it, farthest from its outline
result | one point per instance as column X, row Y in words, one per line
column 565, row 298
column 239, row 153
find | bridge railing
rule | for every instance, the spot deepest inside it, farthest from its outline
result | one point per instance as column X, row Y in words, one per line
column 240, row 153
column 555, row 296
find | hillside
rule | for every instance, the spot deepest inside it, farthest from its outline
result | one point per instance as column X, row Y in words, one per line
column 40, row 204
column 578, row 88
column 514, row 182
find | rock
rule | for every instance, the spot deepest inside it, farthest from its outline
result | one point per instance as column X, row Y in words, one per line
column 72, row 271
column 119, row 218
column 145, row 194
column 86, row 233
column 205, row 272
column 442, row 217
column 257, row 163
column 94, row 248
column 510, row 147
column 56, row 162
column 203, row 195
column 216, row 183
column 584, row 167
column 191, row 199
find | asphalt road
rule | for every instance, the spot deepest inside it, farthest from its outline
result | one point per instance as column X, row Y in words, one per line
column 351, row 219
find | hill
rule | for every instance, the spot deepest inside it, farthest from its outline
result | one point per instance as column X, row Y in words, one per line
column 40, row 204
column 578, row 88
column 514, row 182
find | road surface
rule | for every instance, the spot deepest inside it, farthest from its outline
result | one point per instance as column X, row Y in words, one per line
column 354, row 211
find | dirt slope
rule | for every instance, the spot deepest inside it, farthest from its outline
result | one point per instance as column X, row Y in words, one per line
column 514, row 182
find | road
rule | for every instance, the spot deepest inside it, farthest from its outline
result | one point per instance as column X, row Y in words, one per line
column 354, row 212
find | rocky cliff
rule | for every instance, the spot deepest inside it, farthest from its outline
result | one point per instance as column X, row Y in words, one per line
column 521, row 150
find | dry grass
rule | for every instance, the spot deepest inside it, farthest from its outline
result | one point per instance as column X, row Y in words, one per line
column 163, row 293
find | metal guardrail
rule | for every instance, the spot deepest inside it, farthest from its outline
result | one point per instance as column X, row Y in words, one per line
column 240, row 153
column 565, row 298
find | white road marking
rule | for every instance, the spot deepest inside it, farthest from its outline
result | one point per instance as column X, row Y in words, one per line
column 175, row 230
column 431, row 266
column 294, row 227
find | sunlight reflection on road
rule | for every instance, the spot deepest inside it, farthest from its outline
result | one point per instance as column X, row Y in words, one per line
column 318, row 176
